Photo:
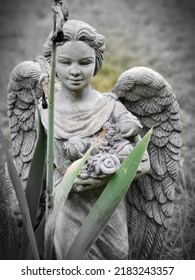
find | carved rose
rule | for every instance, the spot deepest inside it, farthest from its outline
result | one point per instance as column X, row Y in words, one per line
column 123, row 148
column 107, row 164
column 75, row 147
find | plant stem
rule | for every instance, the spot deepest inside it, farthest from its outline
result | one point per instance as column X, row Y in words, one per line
column 60, row 15
column 50, row 132
column 50, row 135
column 50, row 139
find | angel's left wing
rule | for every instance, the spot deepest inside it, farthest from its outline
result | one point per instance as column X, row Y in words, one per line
column 147, row 95
column 25, row 85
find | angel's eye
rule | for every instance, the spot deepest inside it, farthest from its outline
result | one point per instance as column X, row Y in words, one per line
column 86, row 62
column 66, row 62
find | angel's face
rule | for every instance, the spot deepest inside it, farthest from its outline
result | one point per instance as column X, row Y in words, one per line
column 75, row 65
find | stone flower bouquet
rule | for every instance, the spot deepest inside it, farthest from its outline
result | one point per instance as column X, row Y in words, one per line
column 104, row 159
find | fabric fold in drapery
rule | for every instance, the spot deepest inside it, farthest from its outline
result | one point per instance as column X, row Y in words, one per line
column 81, row 124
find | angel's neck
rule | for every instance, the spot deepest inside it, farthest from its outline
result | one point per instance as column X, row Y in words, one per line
column 76, row 95
column 84, row 100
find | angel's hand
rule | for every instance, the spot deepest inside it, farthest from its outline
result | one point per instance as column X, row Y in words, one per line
column 88, row 184
column 43, row 83
column 144, row 166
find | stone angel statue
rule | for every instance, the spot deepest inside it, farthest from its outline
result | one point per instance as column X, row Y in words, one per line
column 141, row 99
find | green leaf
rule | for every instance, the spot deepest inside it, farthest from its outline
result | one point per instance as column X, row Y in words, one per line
column 37, row 170
column 108, row 202
column 50, row 134
column 60, row 196
column 35, row 183
column 39, row 236
column 21, row 199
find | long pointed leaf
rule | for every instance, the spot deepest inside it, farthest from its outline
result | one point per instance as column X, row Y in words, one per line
column 34, row 182
column 39, row 236
column 107, row 202
column 36, row 174
column 21, row 199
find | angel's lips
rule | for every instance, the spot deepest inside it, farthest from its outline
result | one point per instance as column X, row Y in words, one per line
column 75, row 81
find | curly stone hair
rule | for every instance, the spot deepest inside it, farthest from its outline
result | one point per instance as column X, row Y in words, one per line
column 74, row 30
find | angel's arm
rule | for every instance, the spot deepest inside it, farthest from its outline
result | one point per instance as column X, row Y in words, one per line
column 129, row 126
column 126, row 123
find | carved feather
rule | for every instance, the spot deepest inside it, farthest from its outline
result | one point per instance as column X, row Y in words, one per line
column 159, row 192
column 23, row 86
column 150, row 198
column 145, row 187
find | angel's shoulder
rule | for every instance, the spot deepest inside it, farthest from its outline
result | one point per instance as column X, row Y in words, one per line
column 127, row 123
column 120, row 111
column 119, row 108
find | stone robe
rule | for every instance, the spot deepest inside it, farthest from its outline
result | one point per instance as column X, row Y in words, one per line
column 112, row 243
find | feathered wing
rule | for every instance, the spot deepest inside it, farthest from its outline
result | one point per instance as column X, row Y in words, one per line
column 147, row 95
column 24, row 86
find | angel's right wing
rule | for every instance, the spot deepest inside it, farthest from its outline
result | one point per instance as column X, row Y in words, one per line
column 147, row 95
column 24, row 86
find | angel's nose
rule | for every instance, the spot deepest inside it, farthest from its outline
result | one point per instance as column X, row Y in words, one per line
column 75, row 71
